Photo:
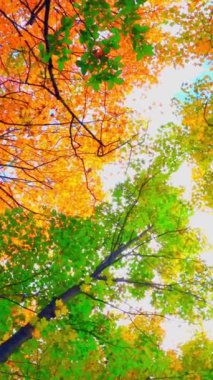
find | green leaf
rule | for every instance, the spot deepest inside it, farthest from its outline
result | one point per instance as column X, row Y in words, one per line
column 111, row 84
column 46, row 57
column 148, row 50
column 84, row 36
column 67, row 22
column 42, row 49
column 95, row 85
column 52, row 38
column 119, row 80
column 60, row 64
column 138, row 29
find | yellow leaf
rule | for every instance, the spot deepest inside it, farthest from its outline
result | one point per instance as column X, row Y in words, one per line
column 59, row 304
column 85, row 288
column 6, row 336
column 61, row 309
column 72, row 335
column 34, row 320
column 36, row 333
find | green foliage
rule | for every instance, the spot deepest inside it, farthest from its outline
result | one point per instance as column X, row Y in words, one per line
column 56, row 43
column 95, row 33
column 197, row 356
column 138, row 41
column 139, row 244
column 196, row 134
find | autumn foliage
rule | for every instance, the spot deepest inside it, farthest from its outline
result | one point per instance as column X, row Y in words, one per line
column 72, row 258
column 57, row 130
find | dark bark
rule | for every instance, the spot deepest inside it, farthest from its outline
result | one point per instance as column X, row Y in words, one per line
column 110, row 260
column 25, row 333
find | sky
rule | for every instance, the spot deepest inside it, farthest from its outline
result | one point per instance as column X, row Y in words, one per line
column 155, row 105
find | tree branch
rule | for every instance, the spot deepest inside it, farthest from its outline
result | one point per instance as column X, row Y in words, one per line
column 25, row 333
column 111, row 258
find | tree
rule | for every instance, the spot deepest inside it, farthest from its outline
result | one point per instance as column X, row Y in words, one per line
column 62, row 108
column 74, row 268
column 67, row 267
column 196, row 133
column 190, row 24
column 53, row 124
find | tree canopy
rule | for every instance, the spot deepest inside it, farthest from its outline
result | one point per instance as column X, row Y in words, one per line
column 196, row 114
column 87, row 278
column 57, row 129
column 70, row 274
